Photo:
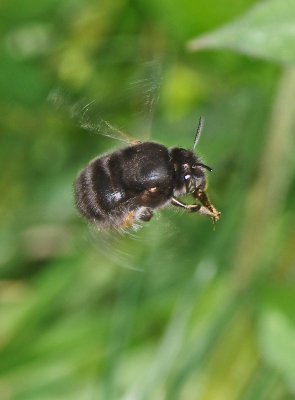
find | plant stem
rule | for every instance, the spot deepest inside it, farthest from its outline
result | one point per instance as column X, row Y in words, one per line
column 267, row 195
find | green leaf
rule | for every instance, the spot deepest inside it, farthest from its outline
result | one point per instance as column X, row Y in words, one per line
column 277, row 344
column 266, row 31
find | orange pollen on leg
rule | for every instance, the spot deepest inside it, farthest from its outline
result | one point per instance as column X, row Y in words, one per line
column 129, row 220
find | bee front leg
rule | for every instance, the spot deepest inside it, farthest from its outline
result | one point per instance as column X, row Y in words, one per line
column 203, row 198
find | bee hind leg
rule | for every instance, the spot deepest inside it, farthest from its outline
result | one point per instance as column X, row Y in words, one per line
column 128, row 221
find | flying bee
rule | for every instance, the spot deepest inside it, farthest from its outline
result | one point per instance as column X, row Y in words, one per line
column 121, row 188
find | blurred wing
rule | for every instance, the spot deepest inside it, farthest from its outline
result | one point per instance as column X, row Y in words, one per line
column 141, row 94
column 101, row 126
column 86, row 115
column 146, row 87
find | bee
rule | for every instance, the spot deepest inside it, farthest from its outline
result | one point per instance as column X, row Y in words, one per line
column 119, row 189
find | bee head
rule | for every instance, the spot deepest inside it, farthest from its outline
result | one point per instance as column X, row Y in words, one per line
column 188, row 169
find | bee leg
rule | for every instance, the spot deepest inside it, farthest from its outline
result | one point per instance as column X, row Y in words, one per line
column 188, row 207
column 192, row 207
column 128, row 221
column 203, row 198
column 146, row 215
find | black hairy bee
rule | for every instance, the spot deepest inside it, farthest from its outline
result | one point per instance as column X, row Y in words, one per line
column 118, row 189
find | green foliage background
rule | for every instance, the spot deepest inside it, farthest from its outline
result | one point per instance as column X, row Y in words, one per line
column 180, row 311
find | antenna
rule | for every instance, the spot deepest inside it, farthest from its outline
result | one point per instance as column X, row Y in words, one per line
column 205, row 166
column 198, row 134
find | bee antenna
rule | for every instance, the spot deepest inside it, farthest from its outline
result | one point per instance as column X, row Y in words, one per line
column 205, row 166
column 198, row 134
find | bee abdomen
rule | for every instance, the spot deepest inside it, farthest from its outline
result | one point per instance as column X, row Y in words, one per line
column 96, row 196
column 86, row 199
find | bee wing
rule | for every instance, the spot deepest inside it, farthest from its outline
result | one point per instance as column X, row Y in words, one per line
column 102, row 126
column 141, row 93
column 146, row 88
column 86, row 115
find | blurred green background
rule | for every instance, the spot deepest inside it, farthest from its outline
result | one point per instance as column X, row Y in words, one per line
column 178, row 311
